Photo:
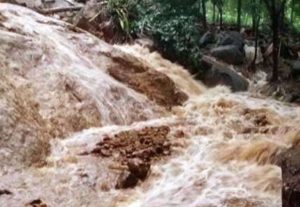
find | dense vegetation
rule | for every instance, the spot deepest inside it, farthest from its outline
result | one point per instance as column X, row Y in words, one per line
column 176, row 26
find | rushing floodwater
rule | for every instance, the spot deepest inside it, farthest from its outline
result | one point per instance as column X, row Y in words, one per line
column 224, row 159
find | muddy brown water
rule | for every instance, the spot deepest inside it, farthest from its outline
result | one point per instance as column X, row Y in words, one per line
column 57, row 98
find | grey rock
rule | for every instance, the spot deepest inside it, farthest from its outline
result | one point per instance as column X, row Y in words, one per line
column 219, row 73
column 139, row 168
column 229, row 54
column 295, row 73
column 230, row 78
column 127, row 180
column 206, row 39
column 231, row 38
column 289, row 161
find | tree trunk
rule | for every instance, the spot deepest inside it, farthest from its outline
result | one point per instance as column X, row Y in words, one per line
column 275, row 10
column 276, row 39
column 204, row 14
column 214, row 13
column 256, row 30
column 292, row 11
column 239, row 10
column 282, row 19
column 253, row 22
column 221, row 17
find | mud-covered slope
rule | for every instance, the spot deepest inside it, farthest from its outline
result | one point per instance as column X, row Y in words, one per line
column 54, row 82
column 66, row 71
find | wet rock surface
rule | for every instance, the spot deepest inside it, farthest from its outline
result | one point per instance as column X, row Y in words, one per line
column 135, row 150
column 51, row 71
column 137, row 170
column 155, row 85
column 36, row 203
column 146, row 144
column 230, row 54
column 24, row 133
column 5, row 192
column 289, row 162
column 232, row 38
column 207, row 38
column 223, row 74
column 125, row 155
column 127, row 180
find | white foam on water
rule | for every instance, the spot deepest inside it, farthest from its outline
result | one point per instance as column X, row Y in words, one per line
column 223, row 160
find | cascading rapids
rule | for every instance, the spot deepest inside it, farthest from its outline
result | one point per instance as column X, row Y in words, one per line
column 55, row 90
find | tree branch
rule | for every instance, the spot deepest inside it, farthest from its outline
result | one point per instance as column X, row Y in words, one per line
column 58, row 10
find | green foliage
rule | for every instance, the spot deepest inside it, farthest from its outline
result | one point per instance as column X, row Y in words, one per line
column 174, row 24
column 173, row 27
column 121, row 10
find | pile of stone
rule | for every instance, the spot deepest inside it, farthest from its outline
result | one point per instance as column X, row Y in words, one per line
column 135, row 150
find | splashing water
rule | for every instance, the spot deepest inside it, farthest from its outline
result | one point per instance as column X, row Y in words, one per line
column 224, row 158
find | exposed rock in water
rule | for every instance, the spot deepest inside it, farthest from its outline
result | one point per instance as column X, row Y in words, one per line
column 229, row 54
column 146, row 144
column 139, row 168
column 5, row 192
column 135, row 150
column 36, row 203
column 290, row 166
column 220, row 73
column 127, row 180
column 157, row 86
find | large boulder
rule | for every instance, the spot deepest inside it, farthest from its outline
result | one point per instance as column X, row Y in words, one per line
column 229, row 77
column 230, row 54
column 290, row 166
column 220, row 73
column 206, row 39
column 231, row 38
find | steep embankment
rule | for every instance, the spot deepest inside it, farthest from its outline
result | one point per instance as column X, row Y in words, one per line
column 81, row 120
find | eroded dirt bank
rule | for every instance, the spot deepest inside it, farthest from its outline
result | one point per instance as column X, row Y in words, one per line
column 85, row 123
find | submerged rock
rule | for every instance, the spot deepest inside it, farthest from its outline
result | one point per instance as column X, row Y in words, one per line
column 143, row 145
